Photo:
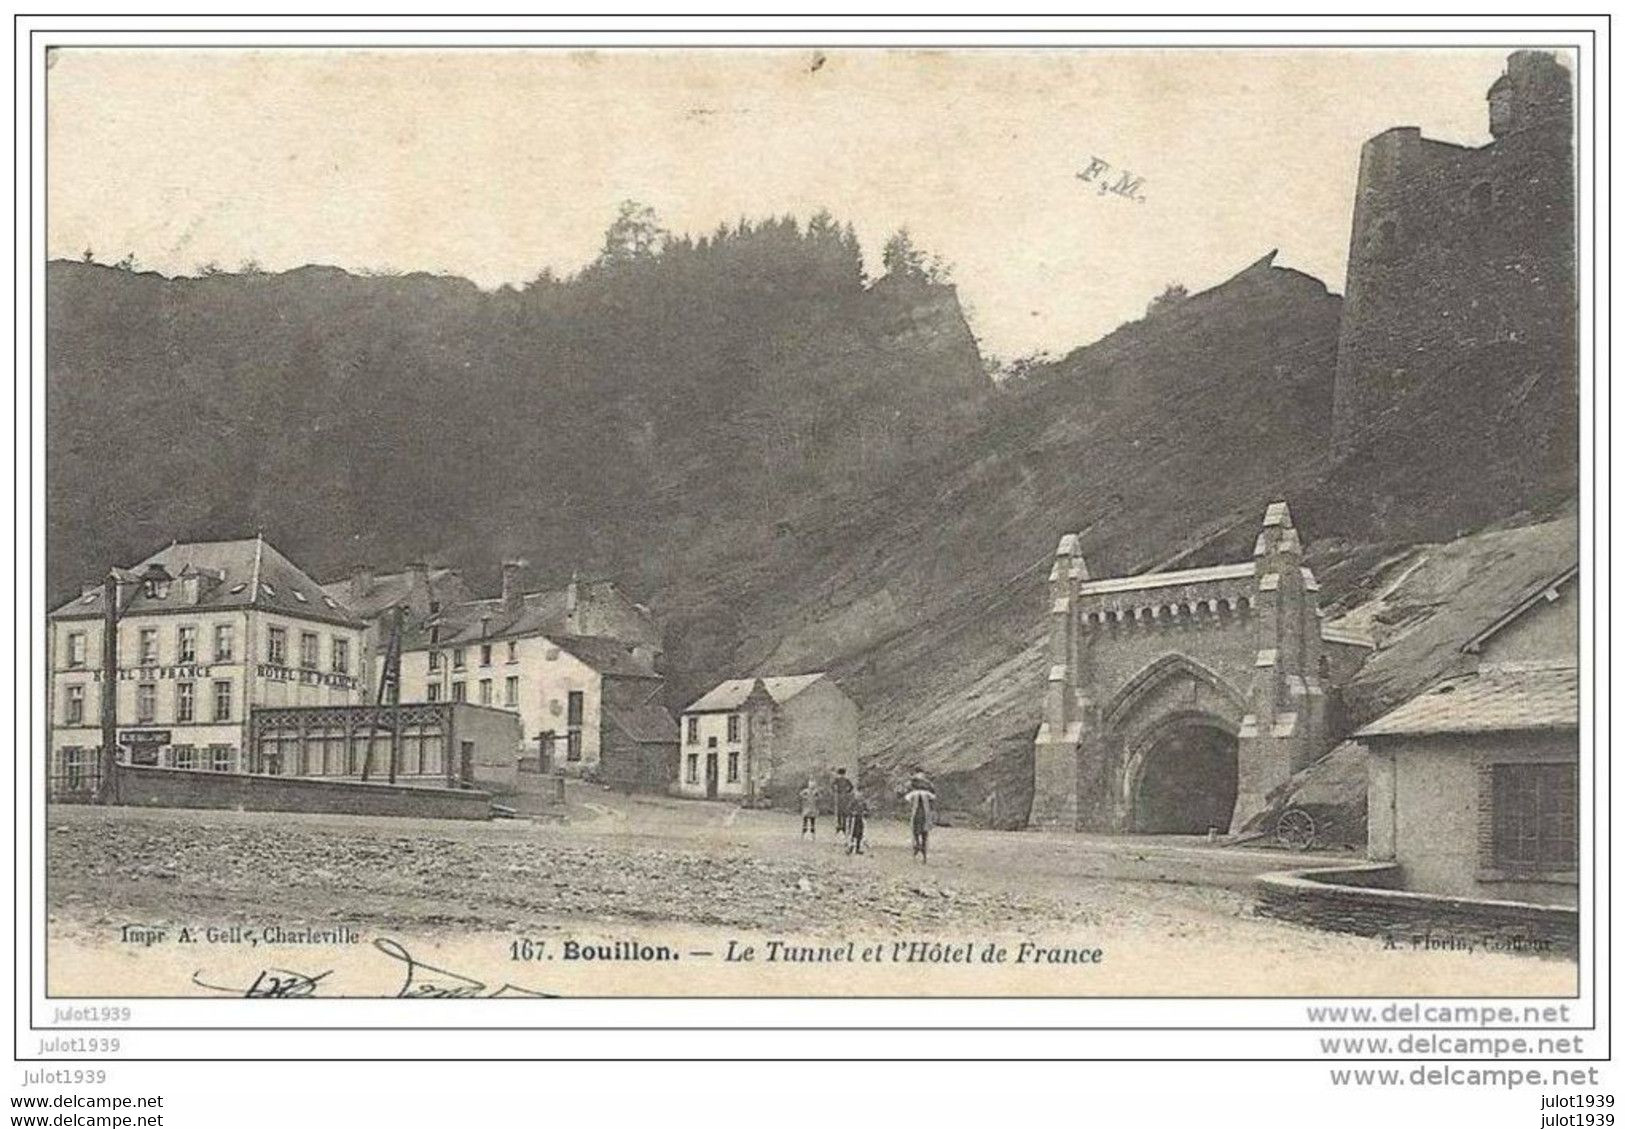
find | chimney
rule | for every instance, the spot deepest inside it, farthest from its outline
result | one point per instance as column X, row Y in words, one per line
column 361, row 580
column 572, row 606
column 513, row 600
column 123, row 584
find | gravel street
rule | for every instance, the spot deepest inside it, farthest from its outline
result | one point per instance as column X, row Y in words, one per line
column 652, row 866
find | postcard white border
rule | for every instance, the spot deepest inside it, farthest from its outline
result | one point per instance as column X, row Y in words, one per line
column 1127, row 1028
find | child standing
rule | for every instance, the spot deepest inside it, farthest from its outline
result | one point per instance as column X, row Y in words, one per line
column 809, row 809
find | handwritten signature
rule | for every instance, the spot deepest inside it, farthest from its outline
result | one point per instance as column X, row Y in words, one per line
column 421, row 981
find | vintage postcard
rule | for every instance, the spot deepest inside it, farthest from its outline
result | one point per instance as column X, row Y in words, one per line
column 785, row 520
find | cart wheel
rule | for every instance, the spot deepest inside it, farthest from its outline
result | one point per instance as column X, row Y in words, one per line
column 1295, row 829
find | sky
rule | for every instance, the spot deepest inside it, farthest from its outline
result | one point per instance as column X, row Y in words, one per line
column 495, row 164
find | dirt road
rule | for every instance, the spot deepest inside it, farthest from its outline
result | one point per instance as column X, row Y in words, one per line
column 662, row 864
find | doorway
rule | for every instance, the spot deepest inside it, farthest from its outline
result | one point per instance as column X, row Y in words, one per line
column 710, row 776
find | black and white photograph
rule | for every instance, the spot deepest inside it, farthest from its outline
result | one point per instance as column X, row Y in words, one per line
column 811, row 522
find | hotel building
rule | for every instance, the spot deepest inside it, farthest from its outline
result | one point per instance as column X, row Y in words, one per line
column 206, row 632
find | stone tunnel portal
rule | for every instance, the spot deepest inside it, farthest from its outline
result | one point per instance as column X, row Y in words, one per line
column 1186, row 781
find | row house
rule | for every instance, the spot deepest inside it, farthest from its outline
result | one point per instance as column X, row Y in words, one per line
column 577, row 664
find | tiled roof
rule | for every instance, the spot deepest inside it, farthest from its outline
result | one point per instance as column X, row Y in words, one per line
column 1490, row 700
column 474, row 621
column 731, row 694
column 387, row 590
column 606, row 656
column 648, row 724
column 249, row 573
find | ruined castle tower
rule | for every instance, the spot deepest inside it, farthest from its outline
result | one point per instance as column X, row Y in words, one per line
column 1459, row 255
column 1177, row 701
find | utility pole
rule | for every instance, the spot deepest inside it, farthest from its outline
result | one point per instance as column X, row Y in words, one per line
column 106, row 788
column 389, row 692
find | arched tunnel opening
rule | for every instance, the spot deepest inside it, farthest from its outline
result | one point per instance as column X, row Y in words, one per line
column 1187, row 781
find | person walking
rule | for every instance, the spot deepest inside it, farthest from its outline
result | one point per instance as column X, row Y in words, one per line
column 921, row 800
column 809, row 809
column 843, row 789
column 857, row 811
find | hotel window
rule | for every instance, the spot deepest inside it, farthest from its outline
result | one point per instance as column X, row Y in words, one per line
column 433, row 694
column 485, row 691
column 74, row 713
column 222, row 701
column 146, row 702
column 225, row 643
column 186, row 644
column 76, row 649
column 220, row 758
column 149, row 647
column 185, row 701
column 458, row 658
column 276, row 646
column 341, row 656
column 309, row 650
column 183, row 756
column 733, row 727
column 434, row 660
column 513, row 651
column 733, row 768
column 74, row 763
column 510, row 691
column 693, row 776
column 459, row 692
column 693, row 731
column 485, row 654
column 1534, row 827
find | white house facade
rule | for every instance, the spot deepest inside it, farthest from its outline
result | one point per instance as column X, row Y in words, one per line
column 758, row 740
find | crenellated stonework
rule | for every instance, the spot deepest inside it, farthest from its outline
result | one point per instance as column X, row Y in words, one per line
column 1233, row 653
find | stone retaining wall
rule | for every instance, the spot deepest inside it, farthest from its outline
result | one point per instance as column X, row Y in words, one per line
column 1364, row 898
column 144, row 786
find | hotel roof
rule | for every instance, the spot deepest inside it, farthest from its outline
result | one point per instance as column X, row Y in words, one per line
column 244, row 574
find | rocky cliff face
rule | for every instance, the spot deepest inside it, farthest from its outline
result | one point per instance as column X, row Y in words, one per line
column 1162, row 443
column 928, row 598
